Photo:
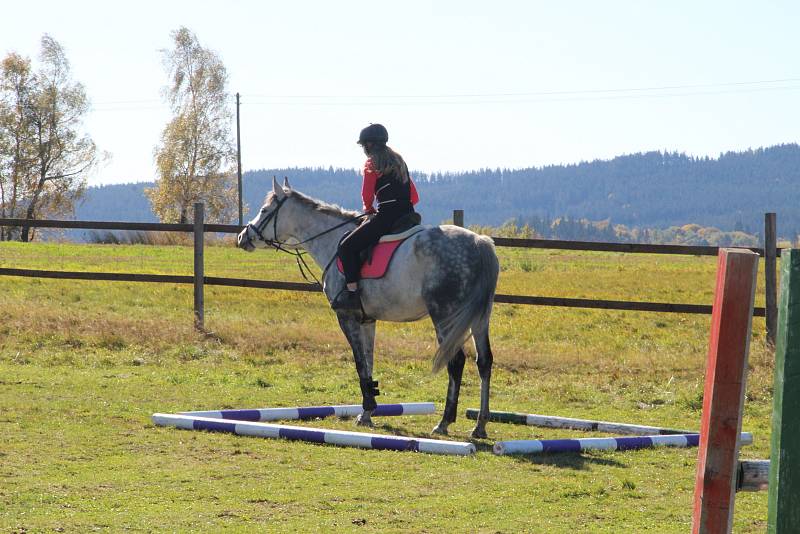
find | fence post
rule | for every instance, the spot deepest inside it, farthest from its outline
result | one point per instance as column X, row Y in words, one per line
column 723, row 399
column 199, row 314
column 783, row 515
column 770, row 277
column 458, row 218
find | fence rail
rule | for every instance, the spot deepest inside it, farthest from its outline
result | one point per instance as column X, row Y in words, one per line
column 555, row 244
column 199, row 228
column 625, row 305
column 636, row 248
column 116, row 225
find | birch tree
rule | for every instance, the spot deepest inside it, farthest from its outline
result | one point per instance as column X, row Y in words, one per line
column 16, row 138
column 45, row 156
column 195, row 154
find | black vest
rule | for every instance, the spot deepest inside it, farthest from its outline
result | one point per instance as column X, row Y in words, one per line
column 392, row 194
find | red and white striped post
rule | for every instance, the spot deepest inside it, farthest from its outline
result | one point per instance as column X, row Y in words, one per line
column 723, row 400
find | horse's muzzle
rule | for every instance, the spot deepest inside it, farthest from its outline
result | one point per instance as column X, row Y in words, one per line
column 245, row 241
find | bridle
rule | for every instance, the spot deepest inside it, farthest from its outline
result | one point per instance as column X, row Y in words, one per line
column 281, row 245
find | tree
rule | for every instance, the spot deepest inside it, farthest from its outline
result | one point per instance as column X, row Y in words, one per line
column 195, row 152
column 44, row 155
column 16, row 137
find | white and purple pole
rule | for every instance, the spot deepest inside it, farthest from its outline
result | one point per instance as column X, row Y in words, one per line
column 315, row 435
column 316, row 412
column 536, row 446
column 551, row 421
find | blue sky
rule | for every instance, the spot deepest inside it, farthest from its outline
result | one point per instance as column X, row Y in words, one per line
column 459, row 84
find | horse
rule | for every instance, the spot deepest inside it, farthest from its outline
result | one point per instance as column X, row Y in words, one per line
column 446, row 272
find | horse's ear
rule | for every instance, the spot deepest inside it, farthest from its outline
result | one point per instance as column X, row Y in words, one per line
column 278, row 190
column 286, row 182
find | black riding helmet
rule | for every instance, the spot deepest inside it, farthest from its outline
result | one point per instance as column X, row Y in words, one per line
column 375, row 133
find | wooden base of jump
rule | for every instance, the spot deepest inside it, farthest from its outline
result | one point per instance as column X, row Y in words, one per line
column 752, row 475
column 316, row 435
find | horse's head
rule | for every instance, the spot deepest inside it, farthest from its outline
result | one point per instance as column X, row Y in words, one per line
column 271, row 226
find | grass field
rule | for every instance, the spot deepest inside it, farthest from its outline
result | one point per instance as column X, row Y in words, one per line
column 84, row 364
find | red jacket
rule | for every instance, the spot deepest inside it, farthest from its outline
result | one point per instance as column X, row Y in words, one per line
column 368, row 187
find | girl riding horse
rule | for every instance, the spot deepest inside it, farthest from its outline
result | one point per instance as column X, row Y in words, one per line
column 385, row 178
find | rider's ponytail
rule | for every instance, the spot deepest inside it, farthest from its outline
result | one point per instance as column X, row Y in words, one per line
column 387, row 161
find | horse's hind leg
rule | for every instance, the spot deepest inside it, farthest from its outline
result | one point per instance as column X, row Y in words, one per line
column 484, row 360
column 455, row 369
column 361, row 337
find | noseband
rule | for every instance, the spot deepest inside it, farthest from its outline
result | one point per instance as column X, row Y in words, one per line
column 259, row 230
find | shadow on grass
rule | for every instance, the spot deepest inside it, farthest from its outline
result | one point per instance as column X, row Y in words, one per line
column 398, row 431
column 567, row 460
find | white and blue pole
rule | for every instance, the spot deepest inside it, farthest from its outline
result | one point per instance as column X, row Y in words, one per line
column 316, row 412
column 537, row 446
column 315, row 435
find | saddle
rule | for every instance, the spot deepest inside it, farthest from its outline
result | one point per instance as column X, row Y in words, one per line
column 375, row 260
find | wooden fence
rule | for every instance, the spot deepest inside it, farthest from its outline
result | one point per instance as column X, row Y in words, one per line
column 770, row 252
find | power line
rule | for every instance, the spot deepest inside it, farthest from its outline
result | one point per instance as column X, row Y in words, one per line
column 546, row 93
column 527, row 100
column 636, row 93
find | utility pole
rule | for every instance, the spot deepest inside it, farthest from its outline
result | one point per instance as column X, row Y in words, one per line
column 239, row 159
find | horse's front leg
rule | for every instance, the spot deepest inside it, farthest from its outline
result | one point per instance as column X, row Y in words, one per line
column 361, row 337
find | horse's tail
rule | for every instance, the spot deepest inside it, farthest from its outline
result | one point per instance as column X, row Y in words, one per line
column 476, row 310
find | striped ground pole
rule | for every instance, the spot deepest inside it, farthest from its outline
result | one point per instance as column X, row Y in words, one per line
column 549, row 421
column 536, row 446
column 315, row 435
column 316, row 412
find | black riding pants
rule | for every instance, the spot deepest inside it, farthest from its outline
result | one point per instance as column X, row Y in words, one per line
column 364, row 237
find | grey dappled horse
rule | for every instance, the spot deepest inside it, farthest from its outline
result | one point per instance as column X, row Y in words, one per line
column 446, row 272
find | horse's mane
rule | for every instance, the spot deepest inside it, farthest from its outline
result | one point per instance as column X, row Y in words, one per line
column 318, row 205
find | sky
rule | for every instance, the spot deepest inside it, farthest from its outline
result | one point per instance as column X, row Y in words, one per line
column 460, row 84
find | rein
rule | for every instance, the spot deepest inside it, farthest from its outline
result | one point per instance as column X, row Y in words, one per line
column 280, row 245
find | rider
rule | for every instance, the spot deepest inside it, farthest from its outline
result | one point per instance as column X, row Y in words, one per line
column 385, row 177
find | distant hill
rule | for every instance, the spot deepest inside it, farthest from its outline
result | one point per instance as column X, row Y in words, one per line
column 646, row 190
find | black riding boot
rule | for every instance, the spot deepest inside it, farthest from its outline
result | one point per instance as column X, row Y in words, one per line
column 347, row 300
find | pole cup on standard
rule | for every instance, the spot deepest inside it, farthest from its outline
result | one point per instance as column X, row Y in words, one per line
column 199, row 273
column 783, row 516
column 723, row 398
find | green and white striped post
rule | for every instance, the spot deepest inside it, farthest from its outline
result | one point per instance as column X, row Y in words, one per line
column 784, row 475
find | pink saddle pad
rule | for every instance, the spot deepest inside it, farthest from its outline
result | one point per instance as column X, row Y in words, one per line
column 376, row 266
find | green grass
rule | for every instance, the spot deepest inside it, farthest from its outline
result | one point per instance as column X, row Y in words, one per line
column 84, row 364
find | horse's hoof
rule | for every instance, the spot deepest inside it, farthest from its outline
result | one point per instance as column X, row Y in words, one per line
column 364, row 421
column 479, row 433
column 439, row 429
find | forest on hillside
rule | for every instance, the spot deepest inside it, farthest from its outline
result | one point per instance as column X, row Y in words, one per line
column 636, row 197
